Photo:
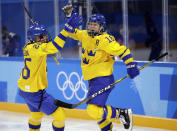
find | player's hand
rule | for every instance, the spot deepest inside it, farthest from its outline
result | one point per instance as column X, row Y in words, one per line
column 132, row 69
column 68, row 10
column 74, row 22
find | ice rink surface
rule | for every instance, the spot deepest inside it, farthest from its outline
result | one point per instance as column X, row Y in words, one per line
column 12, row 121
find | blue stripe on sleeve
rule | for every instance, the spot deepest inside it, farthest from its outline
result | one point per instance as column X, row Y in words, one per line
column 127, row 57
column 131, row 63
column 123, row 53
column 62, row 37
column 56, row 45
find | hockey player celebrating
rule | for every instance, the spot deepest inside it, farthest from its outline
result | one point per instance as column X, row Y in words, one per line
column 97, row 61
column 33, row 78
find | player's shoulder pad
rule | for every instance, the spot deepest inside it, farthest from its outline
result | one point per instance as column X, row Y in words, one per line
column 106, row 38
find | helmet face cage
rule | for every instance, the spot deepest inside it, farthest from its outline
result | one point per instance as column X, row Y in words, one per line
column 36, row 30
column 100, row 19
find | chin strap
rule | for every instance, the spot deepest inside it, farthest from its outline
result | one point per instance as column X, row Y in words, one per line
column 93, row 34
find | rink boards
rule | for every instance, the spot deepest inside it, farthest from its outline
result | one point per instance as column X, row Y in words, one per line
column 152, row 95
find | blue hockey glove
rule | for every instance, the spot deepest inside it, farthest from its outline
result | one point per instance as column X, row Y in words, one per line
column 74, row 22
column 132, row 69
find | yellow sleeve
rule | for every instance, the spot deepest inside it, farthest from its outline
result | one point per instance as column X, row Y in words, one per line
column 77, row 35
column 50, row 47
column 111, row 46
column 59, row 40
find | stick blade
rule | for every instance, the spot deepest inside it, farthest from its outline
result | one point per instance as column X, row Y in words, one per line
column 63, row 104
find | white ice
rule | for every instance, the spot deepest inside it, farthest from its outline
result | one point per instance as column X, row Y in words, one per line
column 12, row 121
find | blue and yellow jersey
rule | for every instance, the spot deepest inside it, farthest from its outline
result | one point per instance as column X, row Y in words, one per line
column 98, row 52
column 33, row 76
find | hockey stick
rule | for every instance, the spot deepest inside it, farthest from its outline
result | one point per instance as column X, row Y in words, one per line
column 34, row 22
column 71, row 106
column 27, row 12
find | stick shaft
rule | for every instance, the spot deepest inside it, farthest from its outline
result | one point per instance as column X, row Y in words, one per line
column 71, row 106
column 27, row 12
column 33, row 22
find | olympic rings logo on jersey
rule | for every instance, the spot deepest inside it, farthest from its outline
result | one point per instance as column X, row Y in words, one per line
column 74, row 85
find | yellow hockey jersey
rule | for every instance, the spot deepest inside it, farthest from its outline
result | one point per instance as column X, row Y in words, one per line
column 97, row 53
column 33, row 76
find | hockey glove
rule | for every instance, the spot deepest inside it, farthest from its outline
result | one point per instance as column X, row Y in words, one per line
column 74, row 22
column 132, row 69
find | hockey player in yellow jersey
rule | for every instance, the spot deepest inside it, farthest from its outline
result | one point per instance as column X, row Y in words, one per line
column 98, row 49
column 33, row 78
